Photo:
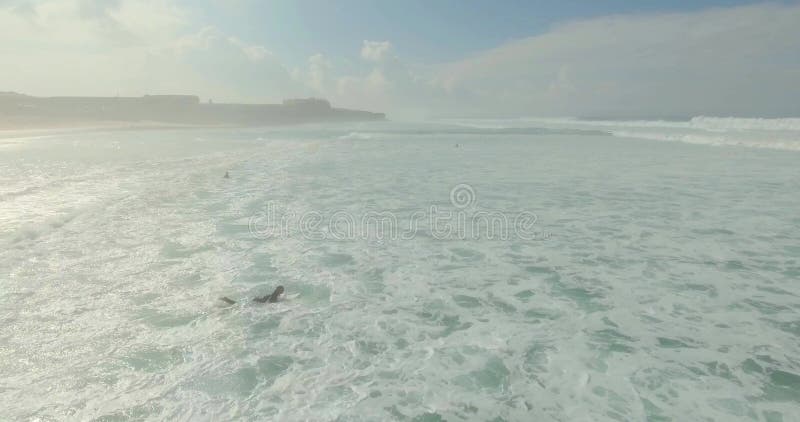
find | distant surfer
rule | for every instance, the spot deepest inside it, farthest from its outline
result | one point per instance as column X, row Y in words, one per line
column 271, row 298
column 227, row 176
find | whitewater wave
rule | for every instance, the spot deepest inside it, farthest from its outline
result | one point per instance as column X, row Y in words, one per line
column 735, row 123
column 781, row 134
column 472, row 130
column 698, row 122
column 356, row 136
column 779, row 144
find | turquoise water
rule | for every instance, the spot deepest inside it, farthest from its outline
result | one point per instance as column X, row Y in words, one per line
column 658, row 280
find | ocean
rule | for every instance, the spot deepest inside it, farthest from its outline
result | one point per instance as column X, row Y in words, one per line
column 459, row 270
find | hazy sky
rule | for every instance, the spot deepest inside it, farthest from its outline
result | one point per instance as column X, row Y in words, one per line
column 418, row 58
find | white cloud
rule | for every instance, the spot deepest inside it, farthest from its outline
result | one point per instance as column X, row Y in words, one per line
column 725, row 61
column 130, row 47
column 743, row 60
column 214, row 64
column 376, row 51
column 382, row 82
column 377, row 83
column 71, row 47
column 316, row 78
column 253, row 52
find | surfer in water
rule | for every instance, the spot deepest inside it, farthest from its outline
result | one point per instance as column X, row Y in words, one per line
column 226, row 176
column 271, row 298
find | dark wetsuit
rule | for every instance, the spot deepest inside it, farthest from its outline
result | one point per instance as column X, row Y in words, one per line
column 264, row 299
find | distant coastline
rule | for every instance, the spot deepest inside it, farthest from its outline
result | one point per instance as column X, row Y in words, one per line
column 27, row 113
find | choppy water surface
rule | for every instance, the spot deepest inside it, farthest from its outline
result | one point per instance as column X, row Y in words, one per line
column 661, row 283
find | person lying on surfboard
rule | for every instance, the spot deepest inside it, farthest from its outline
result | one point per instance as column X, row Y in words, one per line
column 272, row 298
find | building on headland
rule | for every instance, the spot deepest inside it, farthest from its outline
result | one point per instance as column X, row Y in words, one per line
column 310, row 103
column 176, row 109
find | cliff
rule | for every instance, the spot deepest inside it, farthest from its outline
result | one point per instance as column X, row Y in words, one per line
column 173, row 109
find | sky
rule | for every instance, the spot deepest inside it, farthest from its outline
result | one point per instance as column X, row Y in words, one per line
column 417, row 59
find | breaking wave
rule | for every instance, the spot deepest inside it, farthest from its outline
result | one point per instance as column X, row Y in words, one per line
column 735, row 123
column 780, row 144
column 357, row 136
column 779, row 133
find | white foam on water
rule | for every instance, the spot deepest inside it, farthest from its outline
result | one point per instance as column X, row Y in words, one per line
column 666, row 285
column 756, row 141
column 357, row 135
column 779, row 133
column 734, row 123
